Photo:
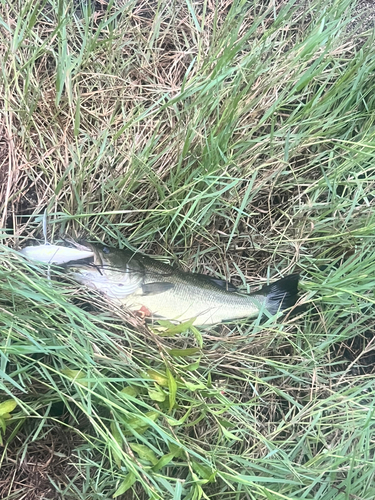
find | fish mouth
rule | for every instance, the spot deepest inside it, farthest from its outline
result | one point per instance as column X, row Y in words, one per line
column 88, row 262
column 88, row 265
column 91, row 266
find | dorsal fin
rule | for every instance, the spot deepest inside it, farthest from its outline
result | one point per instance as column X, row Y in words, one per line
column 222, row 284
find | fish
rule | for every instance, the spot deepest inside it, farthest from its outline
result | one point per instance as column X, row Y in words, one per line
column 157, row 290
column 55, row 254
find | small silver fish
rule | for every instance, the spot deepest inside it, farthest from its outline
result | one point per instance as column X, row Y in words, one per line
column 56, row 254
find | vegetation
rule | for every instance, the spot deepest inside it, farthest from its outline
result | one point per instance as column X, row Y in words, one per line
column 234, row 138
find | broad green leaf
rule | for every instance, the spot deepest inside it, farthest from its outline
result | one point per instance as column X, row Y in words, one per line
column 138, row 424
column 75, row 375
column 144, row 452
column 195, row 387
column 117, row 437
column 172, row 386
column 174, row 422
column 172, row 330
column 159, row 378
column 127, row 483
column 163, row 461
column 7, row 406
column 152, row 415
column 129, row 391
column 175, row 450
column 198, row 492
column 183, row 352
column 2, row 424
column 192, row 367
column 204, row 472
column 226, row 423
column 157, row 395
column 230, row 435
column 198, row 336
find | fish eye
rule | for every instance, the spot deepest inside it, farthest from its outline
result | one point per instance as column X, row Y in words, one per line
column 106, row 250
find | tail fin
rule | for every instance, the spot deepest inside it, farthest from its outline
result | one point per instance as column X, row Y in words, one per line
column 282, row 294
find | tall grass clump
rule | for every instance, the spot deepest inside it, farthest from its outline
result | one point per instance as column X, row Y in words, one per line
column 233, row 138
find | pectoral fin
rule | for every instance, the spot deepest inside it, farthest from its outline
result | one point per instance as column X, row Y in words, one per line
column 155, row 288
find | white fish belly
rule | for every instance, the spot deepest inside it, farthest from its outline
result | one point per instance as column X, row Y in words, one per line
column 206, row 312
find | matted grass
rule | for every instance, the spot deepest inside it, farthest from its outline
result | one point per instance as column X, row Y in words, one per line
column 233, row 138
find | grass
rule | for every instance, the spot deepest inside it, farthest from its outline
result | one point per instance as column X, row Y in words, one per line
column 233, row 138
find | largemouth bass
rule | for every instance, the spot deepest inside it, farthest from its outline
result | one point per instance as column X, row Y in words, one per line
column 159, row 291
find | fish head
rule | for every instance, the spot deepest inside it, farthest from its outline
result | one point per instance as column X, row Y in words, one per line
column 110, row 271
